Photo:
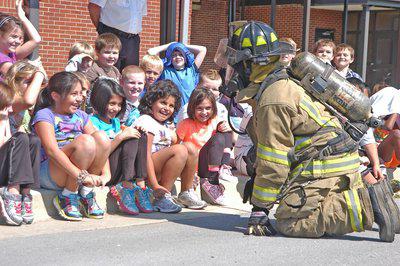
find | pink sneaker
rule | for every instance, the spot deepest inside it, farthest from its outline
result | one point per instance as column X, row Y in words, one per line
column 213, row 194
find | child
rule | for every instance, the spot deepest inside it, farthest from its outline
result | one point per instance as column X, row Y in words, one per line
column 244, row 147
column 342, row 59
column 181, row 66
column 107, row 47
column 212, row 81
column 324, row 49
column 132, row 82
column 166, row 160
column 26, row 80
column 19, row 166
column 73, row 153
column 128, row 148
column 153, row 67
column 80, row 57
column 12, row 36
column 85, row 87
column 285, row 59
column 202, row 131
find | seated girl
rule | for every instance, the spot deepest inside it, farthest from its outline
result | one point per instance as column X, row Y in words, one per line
column 128, row 158
column 166, row 160
column 74, row 155
column 202, row 131
column 19, row 165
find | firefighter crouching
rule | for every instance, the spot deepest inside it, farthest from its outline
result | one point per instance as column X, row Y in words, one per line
column 305, row 161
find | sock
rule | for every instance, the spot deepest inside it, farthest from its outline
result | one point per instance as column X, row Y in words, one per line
column 85, row 191
column 213, row 174
column 67, row 192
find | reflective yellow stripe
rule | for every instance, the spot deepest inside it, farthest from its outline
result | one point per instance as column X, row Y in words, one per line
column 313, row 111
column 246, row 42
column 265, row 194
column 354, row 206
column 329, row 166
column 260, row 41
column 273, row 37
column 272, row 155
column 301, row 143
column 238, row 31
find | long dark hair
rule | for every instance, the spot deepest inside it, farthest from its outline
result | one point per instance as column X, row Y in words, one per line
column 101, row 93
column 159, row 90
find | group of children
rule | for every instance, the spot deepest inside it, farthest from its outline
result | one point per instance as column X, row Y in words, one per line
column 92, row 126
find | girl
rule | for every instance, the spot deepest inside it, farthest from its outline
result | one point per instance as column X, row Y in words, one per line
column 202, row 131
column 166, row 160
column 74, row 153
column 26, row 79
column 19, row 165
column 128, row 148
column 12, row 36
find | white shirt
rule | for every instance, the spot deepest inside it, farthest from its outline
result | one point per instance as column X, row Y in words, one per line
column 124, row 15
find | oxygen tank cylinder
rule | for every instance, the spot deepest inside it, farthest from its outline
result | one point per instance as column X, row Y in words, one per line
column 327, row 85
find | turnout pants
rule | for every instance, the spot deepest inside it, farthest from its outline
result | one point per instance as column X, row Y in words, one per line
column 331, row 208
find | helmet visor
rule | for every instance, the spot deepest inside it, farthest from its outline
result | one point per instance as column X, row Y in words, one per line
column 226, row 55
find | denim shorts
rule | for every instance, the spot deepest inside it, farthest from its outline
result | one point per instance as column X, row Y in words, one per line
column 46, row 181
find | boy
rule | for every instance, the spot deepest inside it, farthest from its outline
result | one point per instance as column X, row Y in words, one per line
column 181, row 65
column 153, row 67
column 344, row 56
column 80, row 57
column 324, row 49
column 132, row 81
column 285, row 59
column 107, row 47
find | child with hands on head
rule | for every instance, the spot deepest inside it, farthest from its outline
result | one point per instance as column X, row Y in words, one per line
column 19, row 165
column 12, row 32
column 166, row 159
column 128, row 158
column 132, row 82
column 74, row 155
column 208, row 140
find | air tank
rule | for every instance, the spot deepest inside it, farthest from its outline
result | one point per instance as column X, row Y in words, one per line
column 327, row 85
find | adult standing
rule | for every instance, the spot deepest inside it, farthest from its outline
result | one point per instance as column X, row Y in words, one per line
column 124, row 19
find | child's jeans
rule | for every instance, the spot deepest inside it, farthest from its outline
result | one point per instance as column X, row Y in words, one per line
column 20, row 161
column 129, row 160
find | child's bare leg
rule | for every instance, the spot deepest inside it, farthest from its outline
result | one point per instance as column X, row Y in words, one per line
column 389, row 144
column 103, row 149
column 81, row 152
column 189, row 171
column 169, row 163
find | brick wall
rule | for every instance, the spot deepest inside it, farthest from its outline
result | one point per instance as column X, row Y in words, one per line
column 64, row 22
column 209, row 24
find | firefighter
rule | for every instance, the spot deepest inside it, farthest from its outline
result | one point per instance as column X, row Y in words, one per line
column 305, row 161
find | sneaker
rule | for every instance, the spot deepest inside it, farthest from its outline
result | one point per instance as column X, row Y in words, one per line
column 68, row 207
column 10, row 207
column 213, row 194
column 26, row 212
column 90, row 207
column 226, row 174
column 190, row 200
column 125, row 198
column 143, row 201
column 166, row 204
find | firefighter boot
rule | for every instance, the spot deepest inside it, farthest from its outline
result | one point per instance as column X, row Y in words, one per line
column 381, row 212
column 393, row 208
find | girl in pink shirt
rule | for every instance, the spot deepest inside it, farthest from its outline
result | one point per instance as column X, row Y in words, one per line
column 210, row 140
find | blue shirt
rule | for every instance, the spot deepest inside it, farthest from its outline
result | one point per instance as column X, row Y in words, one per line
column 352, row 74
column 186, row 80
column 111, row 129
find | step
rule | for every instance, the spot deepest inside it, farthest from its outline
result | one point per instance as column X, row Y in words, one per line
column 44, row 209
